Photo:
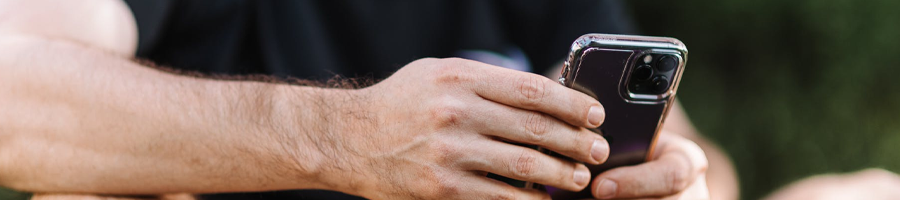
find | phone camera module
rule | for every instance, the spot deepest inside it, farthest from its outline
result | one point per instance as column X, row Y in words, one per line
column 660, row 84
column 652, row 74
column 643, row 73
column 666, row 63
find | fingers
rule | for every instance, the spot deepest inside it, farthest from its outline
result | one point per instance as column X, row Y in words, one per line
column 534, row 92
column 675, row 166
column 697, row 191
column 543, row 130
column 526, row 164
column 481, row 187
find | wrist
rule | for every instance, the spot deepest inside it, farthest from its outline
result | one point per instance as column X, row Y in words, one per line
column 313, row 126
column 292, row 124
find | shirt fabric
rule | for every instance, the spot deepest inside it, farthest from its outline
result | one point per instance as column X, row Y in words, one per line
column 319, row 40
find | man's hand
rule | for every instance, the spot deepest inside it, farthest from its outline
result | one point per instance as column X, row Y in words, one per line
column 677, row 170
column 436, row 127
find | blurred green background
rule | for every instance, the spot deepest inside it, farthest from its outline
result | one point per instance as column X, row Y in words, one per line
column 788, row 88
column 11, row 195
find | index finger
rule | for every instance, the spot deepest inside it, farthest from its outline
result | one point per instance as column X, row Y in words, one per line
column 537, row 93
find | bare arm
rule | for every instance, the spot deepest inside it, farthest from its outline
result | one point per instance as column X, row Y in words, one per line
column 77, row 120
column 76, row 115
column 79, row 117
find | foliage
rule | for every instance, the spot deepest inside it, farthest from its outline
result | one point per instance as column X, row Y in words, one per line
column 6, row 194
column 789, row 88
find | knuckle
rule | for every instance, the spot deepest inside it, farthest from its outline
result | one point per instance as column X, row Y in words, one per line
column 435, row 184
column 533, row 89
column 449, row 71
column 678, row 180
column 699, row 161
column 449, row 75
column 694, row 158
column 524, row 165
column 449, row 112
column 538, row 126
column 702, row 167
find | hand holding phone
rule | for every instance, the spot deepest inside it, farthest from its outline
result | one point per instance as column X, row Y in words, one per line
column 635, row 78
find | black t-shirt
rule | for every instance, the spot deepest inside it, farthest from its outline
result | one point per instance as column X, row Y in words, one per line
column 359, row 38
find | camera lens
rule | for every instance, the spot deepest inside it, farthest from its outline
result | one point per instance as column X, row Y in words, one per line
column 666, row 63
column 642, row 73
column 660, row 84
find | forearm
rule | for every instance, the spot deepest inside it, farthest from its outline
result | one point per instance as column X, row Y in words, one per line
column 76, row 119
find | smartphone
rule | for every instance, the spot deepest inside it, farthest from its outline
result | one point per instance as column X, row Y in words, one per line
column 635, row 79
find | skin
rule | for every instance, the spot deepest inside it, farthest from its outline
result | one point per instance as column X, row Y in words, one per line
column 708, row 165
column 864, row 184
column 80, row 117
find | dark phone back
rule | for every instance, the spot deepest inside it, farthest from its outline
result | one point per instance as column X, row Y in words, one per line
column 636, row 102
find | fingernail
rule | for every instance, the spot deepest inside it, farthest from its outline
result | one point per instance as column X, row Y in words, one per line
column 595, row 115
column 599, row 151
column 581, row 176
column 607, row 189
